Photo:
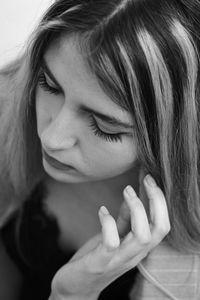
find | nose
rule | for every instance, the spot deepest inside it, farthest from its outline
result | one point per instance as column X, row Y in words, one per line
column 60, row 134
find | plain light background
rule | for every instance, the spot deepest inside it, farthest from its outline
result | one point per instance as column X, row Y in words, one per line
column 17, row 20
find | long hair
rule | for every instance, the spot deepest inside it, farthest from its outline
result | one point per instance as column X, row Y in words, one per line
column 145, row 55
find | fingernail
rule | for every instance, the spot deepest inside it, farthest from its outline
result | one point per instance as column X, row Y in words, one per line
column 103, row 210
column 130, row 191
column 150, row 181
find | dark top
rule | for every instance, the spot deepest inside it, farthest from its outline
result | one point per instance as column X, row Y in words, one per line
column 31, row 240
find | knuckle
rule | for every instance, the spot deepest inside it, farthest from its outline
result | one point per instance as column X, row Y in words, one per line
column 138, row 207
column 135, row 203
column 163, row 229
column 138, row 203
column 112, row 246
column 98, row 271
column 159, row 196
column 145, row 240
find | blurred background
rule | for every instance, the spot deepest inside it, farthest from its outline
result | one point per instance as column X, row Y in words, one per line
column 17, row 20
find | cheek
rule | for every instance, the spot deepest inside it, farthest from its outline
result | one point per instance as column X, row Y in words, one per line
column 111, row 159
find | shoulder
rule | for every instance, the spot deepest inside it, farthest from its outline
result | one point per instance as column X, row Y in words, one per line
column 169, row 274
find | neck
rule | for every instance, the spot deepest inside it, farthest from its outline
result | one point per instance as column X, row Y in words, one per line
column 104, row 192
column 81, row 201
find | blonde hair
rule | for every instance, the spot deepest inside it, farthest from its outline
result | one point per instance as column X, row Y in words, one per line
column 145, row 55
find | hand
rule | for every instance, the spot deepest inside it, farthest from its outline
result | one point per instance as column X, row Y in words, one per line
column 106, row 257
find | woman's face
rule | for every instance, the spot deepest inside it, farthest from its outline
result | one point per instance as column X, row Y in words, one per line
column 84, row 135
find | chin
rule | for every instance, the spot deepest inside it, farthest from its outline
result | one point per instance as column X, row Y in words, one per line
column 74, row 176
column 65, row 176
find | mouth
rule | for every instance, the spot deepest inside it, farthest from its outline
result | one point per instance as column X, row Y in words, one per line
column 55, row 163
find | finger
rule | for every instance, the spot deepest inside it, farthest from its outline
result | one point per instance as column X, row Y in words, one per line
column 139, row 220
column 123, row 220
column 142, row 192
column 139, row 238
column 158, row 210
column 101, row 256
column 110, row 236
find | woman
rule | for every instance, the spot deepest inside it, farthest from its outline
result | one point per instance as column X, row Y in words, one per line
column 106, row 92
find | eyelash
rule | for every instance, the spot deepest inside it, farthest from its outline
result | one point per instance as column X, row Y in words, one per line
column 114, row 137
column 44, row 85
column 111, row 137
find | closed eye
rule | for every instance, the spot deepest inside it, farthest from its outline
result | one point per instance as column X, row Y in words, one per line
column 111, row 137
column 42, row 81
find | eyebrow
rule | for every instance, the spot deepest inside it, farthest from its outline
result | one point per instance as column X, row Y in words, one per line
column 104, row 117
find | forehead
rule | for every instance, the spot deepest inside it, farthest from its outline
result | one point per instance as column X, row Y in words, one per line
column 67, row 61
column 66, row 53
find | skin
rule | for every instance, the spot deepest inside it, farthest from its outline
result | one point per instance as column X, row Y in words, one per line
column 111, row 253
column 65, row 134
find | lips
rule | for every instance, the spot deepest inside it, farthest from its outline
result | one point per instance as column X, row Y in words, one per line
column 55, row 163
